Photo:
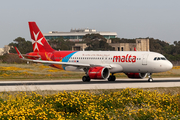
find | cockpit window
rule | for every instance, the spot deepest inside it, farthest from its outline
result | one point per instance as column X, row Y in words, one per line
column 159, row 58
column 163, row 58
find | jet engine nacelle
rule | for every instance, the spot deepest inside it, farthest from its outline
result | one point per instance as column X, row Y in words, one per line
column 136, row 75
column 98, row 73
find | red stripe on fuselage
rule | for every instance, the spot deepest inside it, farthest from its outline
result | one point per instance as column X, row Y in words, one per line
column 58, row 55
column 55, row 56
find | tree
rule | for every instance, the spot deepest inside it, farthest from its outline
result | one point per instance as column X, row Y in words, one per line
column 171, row 52
column 122, row 40
column 61, row 44
column 157, row 45
column 96, row 42
column 23, row 45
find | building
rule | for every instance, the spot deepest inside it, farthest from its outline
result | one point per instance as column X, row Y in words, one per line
column 4, row 50
column 140, row 45
column 77, row 34
column 79, row 47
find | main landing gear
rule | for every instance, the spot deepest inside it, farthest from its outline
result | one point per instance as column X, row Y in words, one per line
column 149, row 77
column 112, row 78
column 86, row 79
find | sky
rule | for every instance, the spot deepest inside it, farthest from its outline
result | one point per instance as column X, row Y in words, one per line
column 159, row 19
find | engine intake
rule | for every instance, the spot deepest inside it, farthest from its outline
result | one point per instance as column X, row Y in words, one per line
column 136, row 75
column 98, row 73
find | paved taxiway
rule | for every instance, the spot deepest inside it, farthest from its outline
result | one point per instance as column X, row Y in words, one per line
column 79, row 85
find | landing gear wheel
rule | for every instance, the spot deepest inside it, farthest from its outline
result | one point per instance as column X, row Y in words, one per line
column 86, row 79
column 112, row 78
column 150, row 80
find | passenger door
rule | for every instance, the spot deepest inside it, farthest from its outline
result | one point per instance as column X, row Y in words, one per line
column 144, row 59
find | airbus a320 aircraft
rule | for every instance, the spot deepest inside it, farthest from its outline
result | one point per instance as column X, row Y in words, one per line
column 96, row 64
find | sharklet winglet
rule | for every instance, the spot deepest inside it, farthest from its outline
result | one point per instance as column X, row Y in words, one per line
column 19, row 54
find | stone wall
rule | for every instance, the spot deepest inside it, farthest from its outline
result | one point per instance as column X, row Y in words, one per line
column 142, row 44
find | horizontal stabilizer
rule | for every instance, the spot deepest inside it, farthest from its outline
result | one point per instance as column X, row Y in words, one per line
column 32, row 56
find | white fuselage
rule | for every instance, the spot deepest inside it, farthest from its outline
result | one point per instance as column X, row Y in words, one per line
column 121, row 61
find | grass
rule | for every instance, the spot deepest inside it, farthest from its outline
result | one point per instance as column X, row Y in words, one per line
column 40, row 71
column 35, row 71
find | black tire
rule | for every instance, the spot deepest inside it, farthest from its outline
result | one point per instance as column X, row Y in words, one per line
column 85, row 78
column 88, row 78
column 112, row 78
column 150, row 80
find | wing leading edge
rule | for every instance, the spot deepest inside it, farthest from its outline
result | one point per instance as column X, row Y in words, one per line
column 60, row 63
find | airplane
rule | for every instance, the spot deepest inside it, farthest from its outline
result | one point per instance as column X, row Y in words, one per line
column 96, row 64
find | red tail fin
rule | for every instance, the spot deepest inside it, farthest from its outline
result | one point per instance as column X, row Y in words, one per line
column 39, row 42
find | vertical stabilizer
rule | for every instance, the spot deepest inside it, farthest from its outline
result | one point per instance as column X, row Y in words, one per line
column 39, row 42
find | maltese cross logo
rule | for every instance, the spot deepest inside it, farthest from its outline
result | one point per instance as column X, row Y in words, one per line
column 36, row 41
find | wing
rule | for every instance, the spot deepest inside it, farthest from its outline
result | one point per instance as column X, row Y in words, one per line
column 61, row 63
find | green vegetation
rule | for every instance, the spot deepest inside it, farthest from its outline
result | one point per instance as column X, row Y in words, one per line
column 23, row 45
column 123, row 40
column 61, row 44
column 129, row 103
column 35, row 71
column 172, row 52
column 96, row 42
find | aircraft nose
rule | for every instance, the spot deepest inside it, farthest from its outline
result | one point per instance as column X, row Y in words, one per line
column 169, row 65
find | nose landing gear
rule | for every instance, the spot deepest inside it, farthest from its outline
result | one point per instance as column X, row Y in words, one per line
column 149, row 77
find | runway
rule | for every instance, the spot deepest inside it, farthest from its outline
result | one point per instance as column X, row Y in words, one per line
column 61, row 85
